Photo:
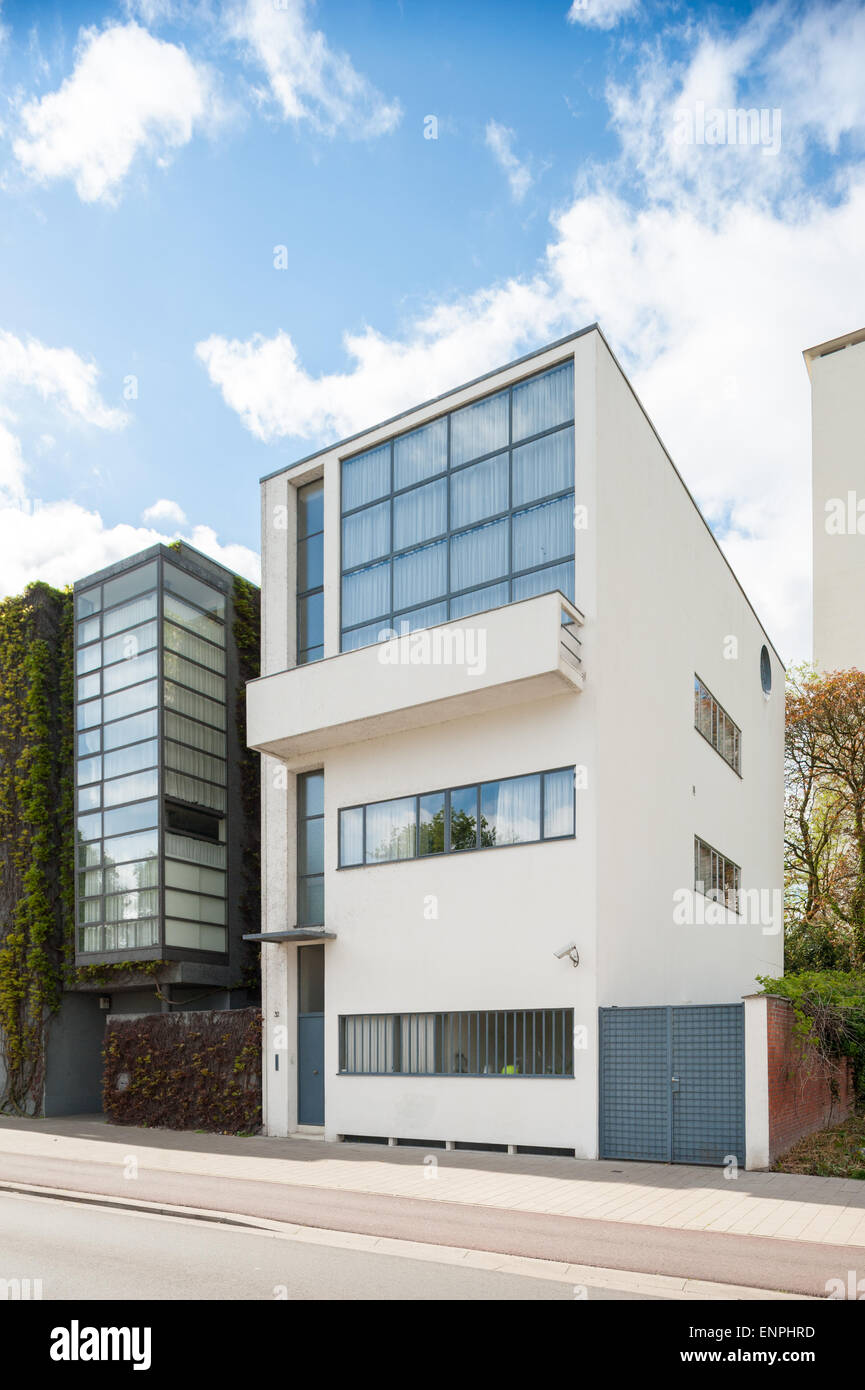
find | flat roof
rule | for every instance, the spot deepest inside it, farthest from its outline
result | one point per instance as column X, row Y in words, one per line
column 183, row 553
column 433, row 400
column 833, row 345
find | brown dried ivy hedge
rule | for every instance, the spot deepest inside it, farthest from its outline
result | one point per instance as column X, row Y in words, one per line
column 196, row 1070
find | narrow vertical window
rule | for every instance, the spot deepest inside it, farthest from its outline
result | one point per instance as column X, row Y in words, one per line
column 310, row 573
column 310, row 849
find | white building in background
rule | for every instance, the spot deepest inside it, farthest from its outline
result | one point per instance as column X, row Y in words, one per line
column 570, row 753
column 837, row 372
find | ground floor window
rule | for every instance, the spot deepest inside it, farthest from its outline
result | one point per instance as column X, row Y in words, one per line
column 506, row 1042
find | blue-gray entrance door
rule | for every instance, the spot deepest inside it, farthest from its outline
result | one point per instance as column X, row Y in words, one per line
column 672, row 1083
column 310, row 1035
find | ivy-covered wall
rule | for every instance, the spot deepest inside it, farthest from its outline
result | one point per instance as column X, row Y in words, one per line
column 36, row 832
column 37, row 898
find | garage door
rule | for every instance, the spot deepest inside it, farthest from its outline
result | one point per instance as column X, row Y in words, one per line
column 672, row 1083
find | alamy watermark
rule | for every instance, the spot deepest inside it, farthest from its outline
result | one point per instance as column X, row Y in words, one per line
column 713, row 125
column 437, row 646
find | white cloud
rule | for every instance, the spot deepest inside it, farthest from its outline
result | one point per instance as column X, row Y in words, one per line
column 709, row 271
column 129, row 94
column 307, row 79
column 601, row 14
column 55, row 374
column 165, row 510
column 499, row 139
column 11, row 464
column 62, row 541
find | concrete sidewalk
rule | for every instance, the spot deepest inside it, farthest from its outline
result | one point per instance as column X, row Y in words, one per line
column 828, row 1211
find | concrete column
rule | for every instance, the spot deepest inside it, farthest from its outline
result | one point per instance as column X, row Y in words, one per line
column 756, row 1081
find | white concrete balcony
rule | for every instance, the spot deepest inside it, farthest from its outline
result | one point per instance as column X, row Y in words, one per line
column 524, row 651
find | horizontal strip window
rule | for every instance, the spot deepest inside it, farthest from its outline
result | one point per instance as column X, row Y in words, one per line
column 202, row 681
column 188, row 644
column 195, row 706
column 130, row 615
column 132, row 759
column 133, row 729
column 195, row 936
column 124, row 936
column 196, row 764
column 129, row 672
column 195, row 851
column 194, row 907
column 127, row 819
column 193, row 790
column 129, row 644
column 129, row 878
column 194, row 591
column 194, row 735
column 716, row 876
column 533, row 1043
column 200, row 623
column 128, row 585
column 132, row 788
column 121, row 907
column 487, row 815
column 139, row 845
column 194, row 878
column 716, row 726
column 131, row 701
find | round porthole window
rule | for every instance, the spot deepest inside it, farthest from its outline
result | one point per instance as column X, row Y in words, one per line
column 765, row 671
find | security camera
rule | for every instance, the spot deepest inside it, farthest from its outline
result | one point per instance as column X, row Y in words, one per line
column 570, row 951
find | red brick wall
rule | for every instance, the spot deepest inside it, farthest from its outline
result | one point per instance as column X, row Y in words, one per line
column 800, row 1100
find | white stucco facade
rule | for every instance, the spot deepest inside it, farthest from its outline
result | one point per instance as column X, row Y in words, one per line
column 837, row 372
column 478, row 930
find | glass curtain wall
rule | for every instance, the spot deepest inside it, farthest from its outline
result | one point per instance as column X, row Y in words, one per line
column 467, row 513
column 144, row 762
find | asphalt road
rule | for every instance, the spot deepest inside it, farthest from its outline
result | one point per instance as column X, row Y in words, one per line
column 759, row 1262
column 96, row 1253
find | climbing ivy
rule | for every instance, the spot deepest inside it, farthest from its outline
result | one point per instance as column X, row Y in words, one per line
column 246, row 631
column 36, row 840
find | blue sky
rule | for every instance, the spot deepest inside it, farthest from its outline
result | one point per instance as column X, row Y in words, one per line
column 154, row 361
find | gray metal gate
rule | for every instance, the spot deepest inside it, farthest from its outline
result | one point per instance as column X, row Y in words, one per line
column 672, row 1083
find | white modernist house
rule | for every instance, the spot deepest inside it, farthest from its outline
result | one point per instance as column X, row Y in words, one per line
column 837, row 372
column 523, row 788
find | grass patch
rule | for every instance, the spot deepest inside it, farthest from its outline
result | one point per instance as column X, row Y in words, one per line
column 838, row 1152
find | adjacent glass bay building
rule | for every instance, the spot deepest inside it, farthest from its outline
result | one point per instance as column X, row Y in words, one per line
column 159, row 815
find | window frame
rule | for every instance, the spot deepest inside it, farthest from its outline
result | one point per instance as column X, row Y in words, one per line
column 392, row 616
column 446, row 792
column 718, row 709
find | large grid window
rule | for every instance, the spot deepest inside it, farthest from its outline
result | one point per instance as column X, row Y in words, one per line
column 150, row 780
column 467, row 513
column 715, row 875
column 505, row 1043
column 310, row 573
column 484, row 815
column 716, row 726
column 310, row 849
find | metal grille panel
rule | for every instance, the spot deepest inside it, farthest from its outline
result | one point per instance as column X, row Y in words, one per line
column 672, row 1083
column 709, row 1061
column 635, row 1084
